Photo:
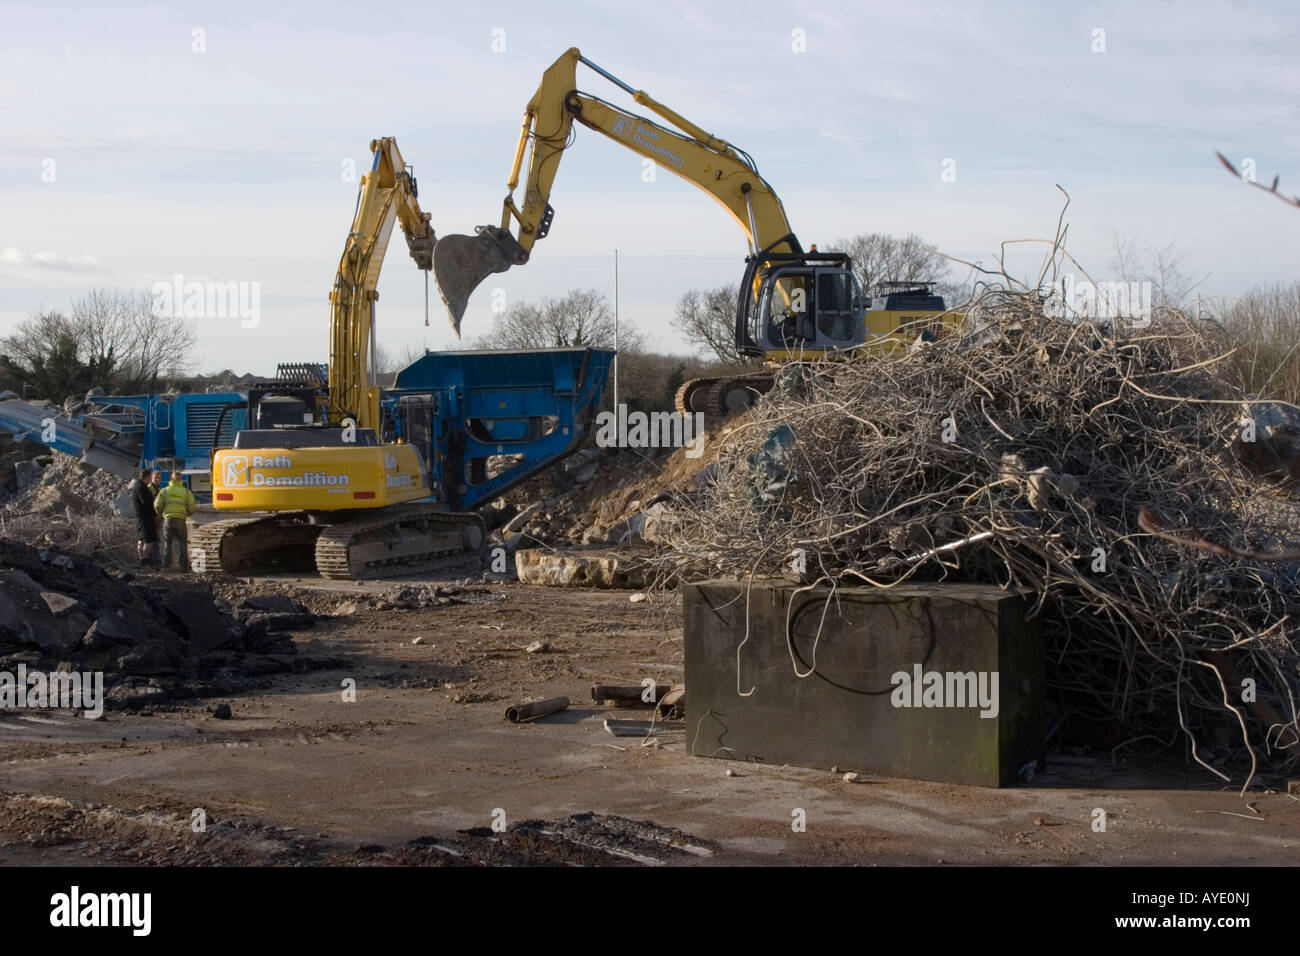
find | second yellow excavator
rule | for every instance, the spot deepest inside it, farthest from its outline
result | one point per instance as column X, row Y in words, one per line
column 353, row 480
column 793, row 304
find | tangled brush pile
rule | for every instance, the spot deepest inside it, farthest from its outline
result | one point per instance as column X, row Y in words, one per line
column 1088, row 467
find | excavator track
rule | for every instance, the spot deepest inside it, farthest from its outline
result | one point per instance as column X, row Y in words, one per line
column 399, row 541
column 729, row 396
column 254, row 545
column 684, row 400
column 720, row 398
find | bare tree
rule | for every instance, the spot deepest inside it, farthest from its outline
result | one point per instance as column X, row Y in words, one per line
column 580, row 317
column 410, row 353
column 707, row 318
column 648, row 381
column 386, row 363
column 1125, row 258
column 44, row 358
column 1264, row 327
column 109, row 338
column 1171, row 284
column 120, row 332
column 878, row 257
column 1162, row 266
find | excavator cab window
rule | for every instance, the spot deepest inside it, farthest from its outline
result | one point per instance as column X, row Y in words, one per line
column 836, row 292
column 810, row 308
column 304, row 437
column 786, row 305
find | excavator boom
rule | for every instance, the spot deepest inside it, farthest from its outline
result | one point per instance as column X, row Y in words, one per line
column 793, row 305
column 461, row 263
column 388, row 195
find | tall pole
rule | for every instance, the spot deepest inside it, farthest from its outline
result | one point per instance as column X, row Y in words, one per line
column 615, row 331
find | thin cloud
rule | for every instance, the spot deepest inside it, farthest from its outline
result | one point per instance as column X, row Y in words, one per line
column 82, row 265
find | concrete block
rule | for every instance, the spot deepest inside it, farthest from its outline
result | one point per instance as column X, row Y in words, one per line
column 576, row 570
column 934, row 682
column 27, row 474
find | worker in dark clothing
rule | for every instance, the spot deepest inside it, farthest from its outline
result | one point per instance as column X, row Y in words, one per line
column 175, row 504
column 146, row 518
column 155, row 487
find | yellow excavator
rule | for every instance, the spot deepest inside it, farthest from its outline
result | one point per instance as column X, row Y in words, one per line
column 793, row 304
column 326, row 491
column 354, row 480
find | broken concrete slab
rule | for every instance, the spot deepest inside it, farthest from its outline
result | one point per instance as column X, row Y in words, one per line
column 205, row 628
column 152, row 659
column 27, row 474
column 123, row 505
column 108, row 630
column 517, row 523
column 57, row 613
column 61, row 635
column 576, row 570
column 59, row 603
column 26, row 617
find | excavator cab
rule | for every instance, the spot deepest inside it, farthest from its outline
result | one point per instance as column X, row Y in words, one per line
column 796, row 303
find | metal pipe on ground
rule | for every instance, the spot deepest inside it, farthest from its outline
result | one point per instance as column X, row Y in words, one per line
column 520, row 713
column 627, row 693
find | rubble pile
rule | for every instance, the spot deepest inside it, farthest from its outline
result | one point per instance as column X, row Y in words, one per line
column 18, row 463
column 52, row 482
column 602, row 496
column 152, row 641
column 57, row 501
column 588, row 523
column 1101, row 473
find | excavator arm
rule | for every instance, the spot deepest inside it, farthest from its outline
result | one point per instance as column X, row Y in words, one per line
column 388, row 195
column 726, row 173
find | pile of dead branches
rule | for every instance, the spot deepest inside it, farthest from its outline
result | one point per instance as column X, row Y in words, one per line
column 1085, row 463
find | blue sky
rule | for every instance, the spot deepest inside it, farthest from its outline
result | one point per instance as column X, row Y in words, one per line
column 226, row 164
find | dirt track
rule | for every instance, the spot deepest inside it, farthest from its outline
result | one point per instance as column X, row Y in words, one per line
column 419, row 767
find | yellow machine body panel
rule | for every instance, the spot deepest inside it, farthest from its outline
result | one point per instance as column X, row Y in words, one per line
column 316, row 479
column 888, row 331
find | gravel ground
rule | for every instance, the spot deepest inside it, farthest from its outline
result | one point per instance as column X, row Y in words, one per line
column 423, row 769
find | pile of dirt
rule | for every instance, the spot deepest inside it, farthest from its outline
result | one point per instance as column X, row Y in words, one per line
column 152, row 640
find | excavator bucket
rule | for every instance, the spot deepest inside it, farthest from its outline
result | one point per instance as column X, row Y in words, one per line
column 461, row 262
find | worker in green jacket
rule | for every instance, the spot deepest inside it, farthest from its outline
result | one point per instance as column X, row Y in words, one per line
column 175, row 504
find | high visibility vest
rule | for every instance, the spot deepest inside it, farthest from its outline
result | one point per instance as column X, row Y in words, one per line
column 177, row 501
